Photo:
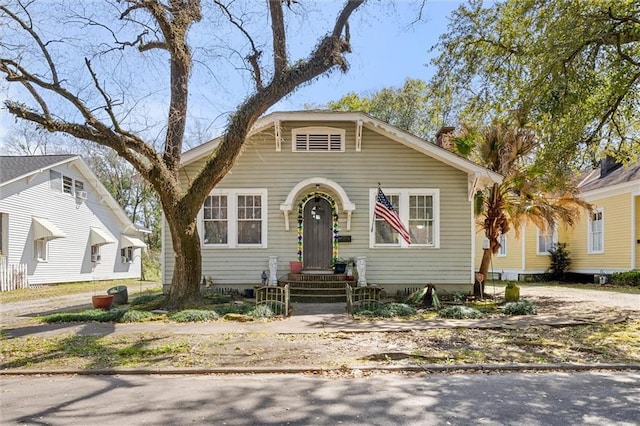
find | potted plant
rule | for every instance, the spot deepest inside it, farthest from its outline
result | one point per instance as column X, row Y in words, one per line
column 339, row 265
column 511, row 292
column 295, row 266
column 102, row 301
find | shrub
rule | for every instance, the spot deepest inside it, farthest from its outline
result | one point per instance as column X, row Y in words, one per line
column 387, row 310
column 137, row 316
column 261, row 311
column 194, row 315
column 560, row 261
column 460, row 312
column 631, row 278
column 522, row 307
column 233, row 309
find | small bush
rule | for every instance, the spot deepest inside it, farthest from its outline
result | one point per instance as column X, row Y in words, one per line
column 522, row 307
column 194, row 315
column 387, row 310
column 631, row 278
column 98, row 315
column 137, row 316
column 233, row 309
column 261, row 311
column 560, row 261
column 460, row 312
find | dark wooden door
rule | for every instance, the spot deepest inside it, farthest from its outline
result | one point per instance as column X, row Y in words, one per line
column 318, row 234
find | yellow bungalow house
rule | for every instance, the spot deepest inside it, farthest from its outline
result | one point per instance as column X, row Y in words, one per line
column 603, row 241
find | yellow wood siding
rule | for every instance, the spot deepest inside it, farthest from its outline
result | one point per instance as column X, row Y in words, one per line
column 511, row 262
column 381, row 160
column 617, row 242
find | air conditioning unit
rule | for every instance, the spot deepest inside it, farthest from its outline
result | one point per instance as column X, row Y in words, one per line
column 96, row 258
column 81, row 195
column 125, row 259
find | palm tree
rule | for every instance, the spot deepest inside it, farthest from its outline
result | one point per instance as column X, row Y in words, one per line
column 526, row 195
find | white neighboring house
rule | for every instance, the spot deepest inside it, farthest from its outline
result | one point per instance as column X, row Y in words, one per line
column 61, row 223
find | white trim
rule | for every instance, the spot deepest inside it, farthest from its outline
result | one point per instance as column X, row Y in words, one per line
column 358, row 135
column 232, row 218
column 318, row 130
column 44, row 229
column 278, row 135
column 590, row 249
column 98, row 236
column 554, row 239
column 523, row 247
column 129, row 241
column 612, row 190
column 311, row 183
column 503, row 245
column 403, row 212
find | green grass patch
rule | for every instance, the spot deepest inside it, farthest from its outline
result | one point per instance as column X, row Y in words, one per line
column 55, row 290
column 96, row 315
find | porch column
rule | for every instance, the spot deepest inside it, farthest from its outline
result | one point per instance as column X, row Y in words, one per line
column 361, row 266
column 273, row 268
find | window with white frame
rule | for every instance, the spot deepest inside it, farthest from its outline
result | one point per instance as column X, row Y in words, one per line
column 418, row 210
column 502, row 251
column 546, row 240
column 41, row 249
column 3, row 234
column 95, row 253
column 126, row 254
column 317, row 139
column 235, row 218
column 65, row 184
column 596, row 231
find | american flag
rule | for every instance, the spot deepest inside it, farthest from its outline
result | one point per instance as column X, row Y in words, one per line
column 385, row 210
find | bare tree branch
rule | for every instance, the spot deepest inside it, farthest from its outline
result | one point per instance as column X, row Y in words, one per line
column 279, row 38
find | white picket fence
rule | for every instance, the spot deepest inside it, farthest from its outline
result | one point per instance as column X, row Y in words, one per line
column 12, row 276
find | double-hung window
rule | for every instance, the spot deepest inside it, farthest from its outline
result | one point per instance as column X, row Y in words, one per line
column 65, row 184
column 502, row 251
column 418, row 210
column 235, row 218
column 546, row 240
column 596, row 231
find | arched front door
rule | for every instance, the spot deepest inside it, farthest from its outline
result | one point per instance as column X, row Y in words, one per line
column 318, row 234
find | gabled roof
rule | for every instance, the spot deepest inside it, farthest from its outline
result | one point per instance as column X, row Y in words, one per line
column 367, row 121
column 617, row 179
column 16, row 167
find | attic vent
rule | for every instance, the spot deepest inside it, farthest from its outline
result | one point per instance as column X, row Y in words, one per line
column 318, row 139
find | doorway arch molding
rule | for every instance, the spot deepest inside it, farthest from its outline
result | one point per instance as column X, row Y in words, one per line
column 320, row 183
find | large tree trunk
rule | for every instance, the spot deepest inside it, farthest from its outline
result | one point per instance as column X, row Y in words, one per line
column 185, row 283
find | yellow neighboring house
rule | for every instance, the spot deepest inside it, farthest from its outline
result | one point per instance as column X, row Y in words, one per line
column 604, row 241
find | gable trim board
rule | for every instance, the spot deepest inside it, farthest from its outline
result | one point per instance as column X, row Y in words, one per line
column 374, row 151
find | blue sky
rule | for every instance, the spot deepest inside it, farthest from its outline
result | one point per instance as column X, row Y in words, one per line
column 386, row 51
column 388, row 47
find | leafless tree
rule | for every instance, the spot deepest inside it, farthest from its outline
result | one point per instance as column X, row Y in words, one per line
column 89, row 103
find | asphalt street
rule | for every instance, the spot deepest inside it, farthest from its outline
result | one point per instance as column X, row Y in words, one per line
column 593, row 398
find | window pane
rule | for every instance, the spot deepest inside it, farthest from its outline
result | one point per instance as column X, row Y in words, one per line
column 67, row 185
column 79, row 185
column 384, row 233
column 249, row 232
column 215, row 232
column 421, row 219
column 55, row 181
column 249, row 223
